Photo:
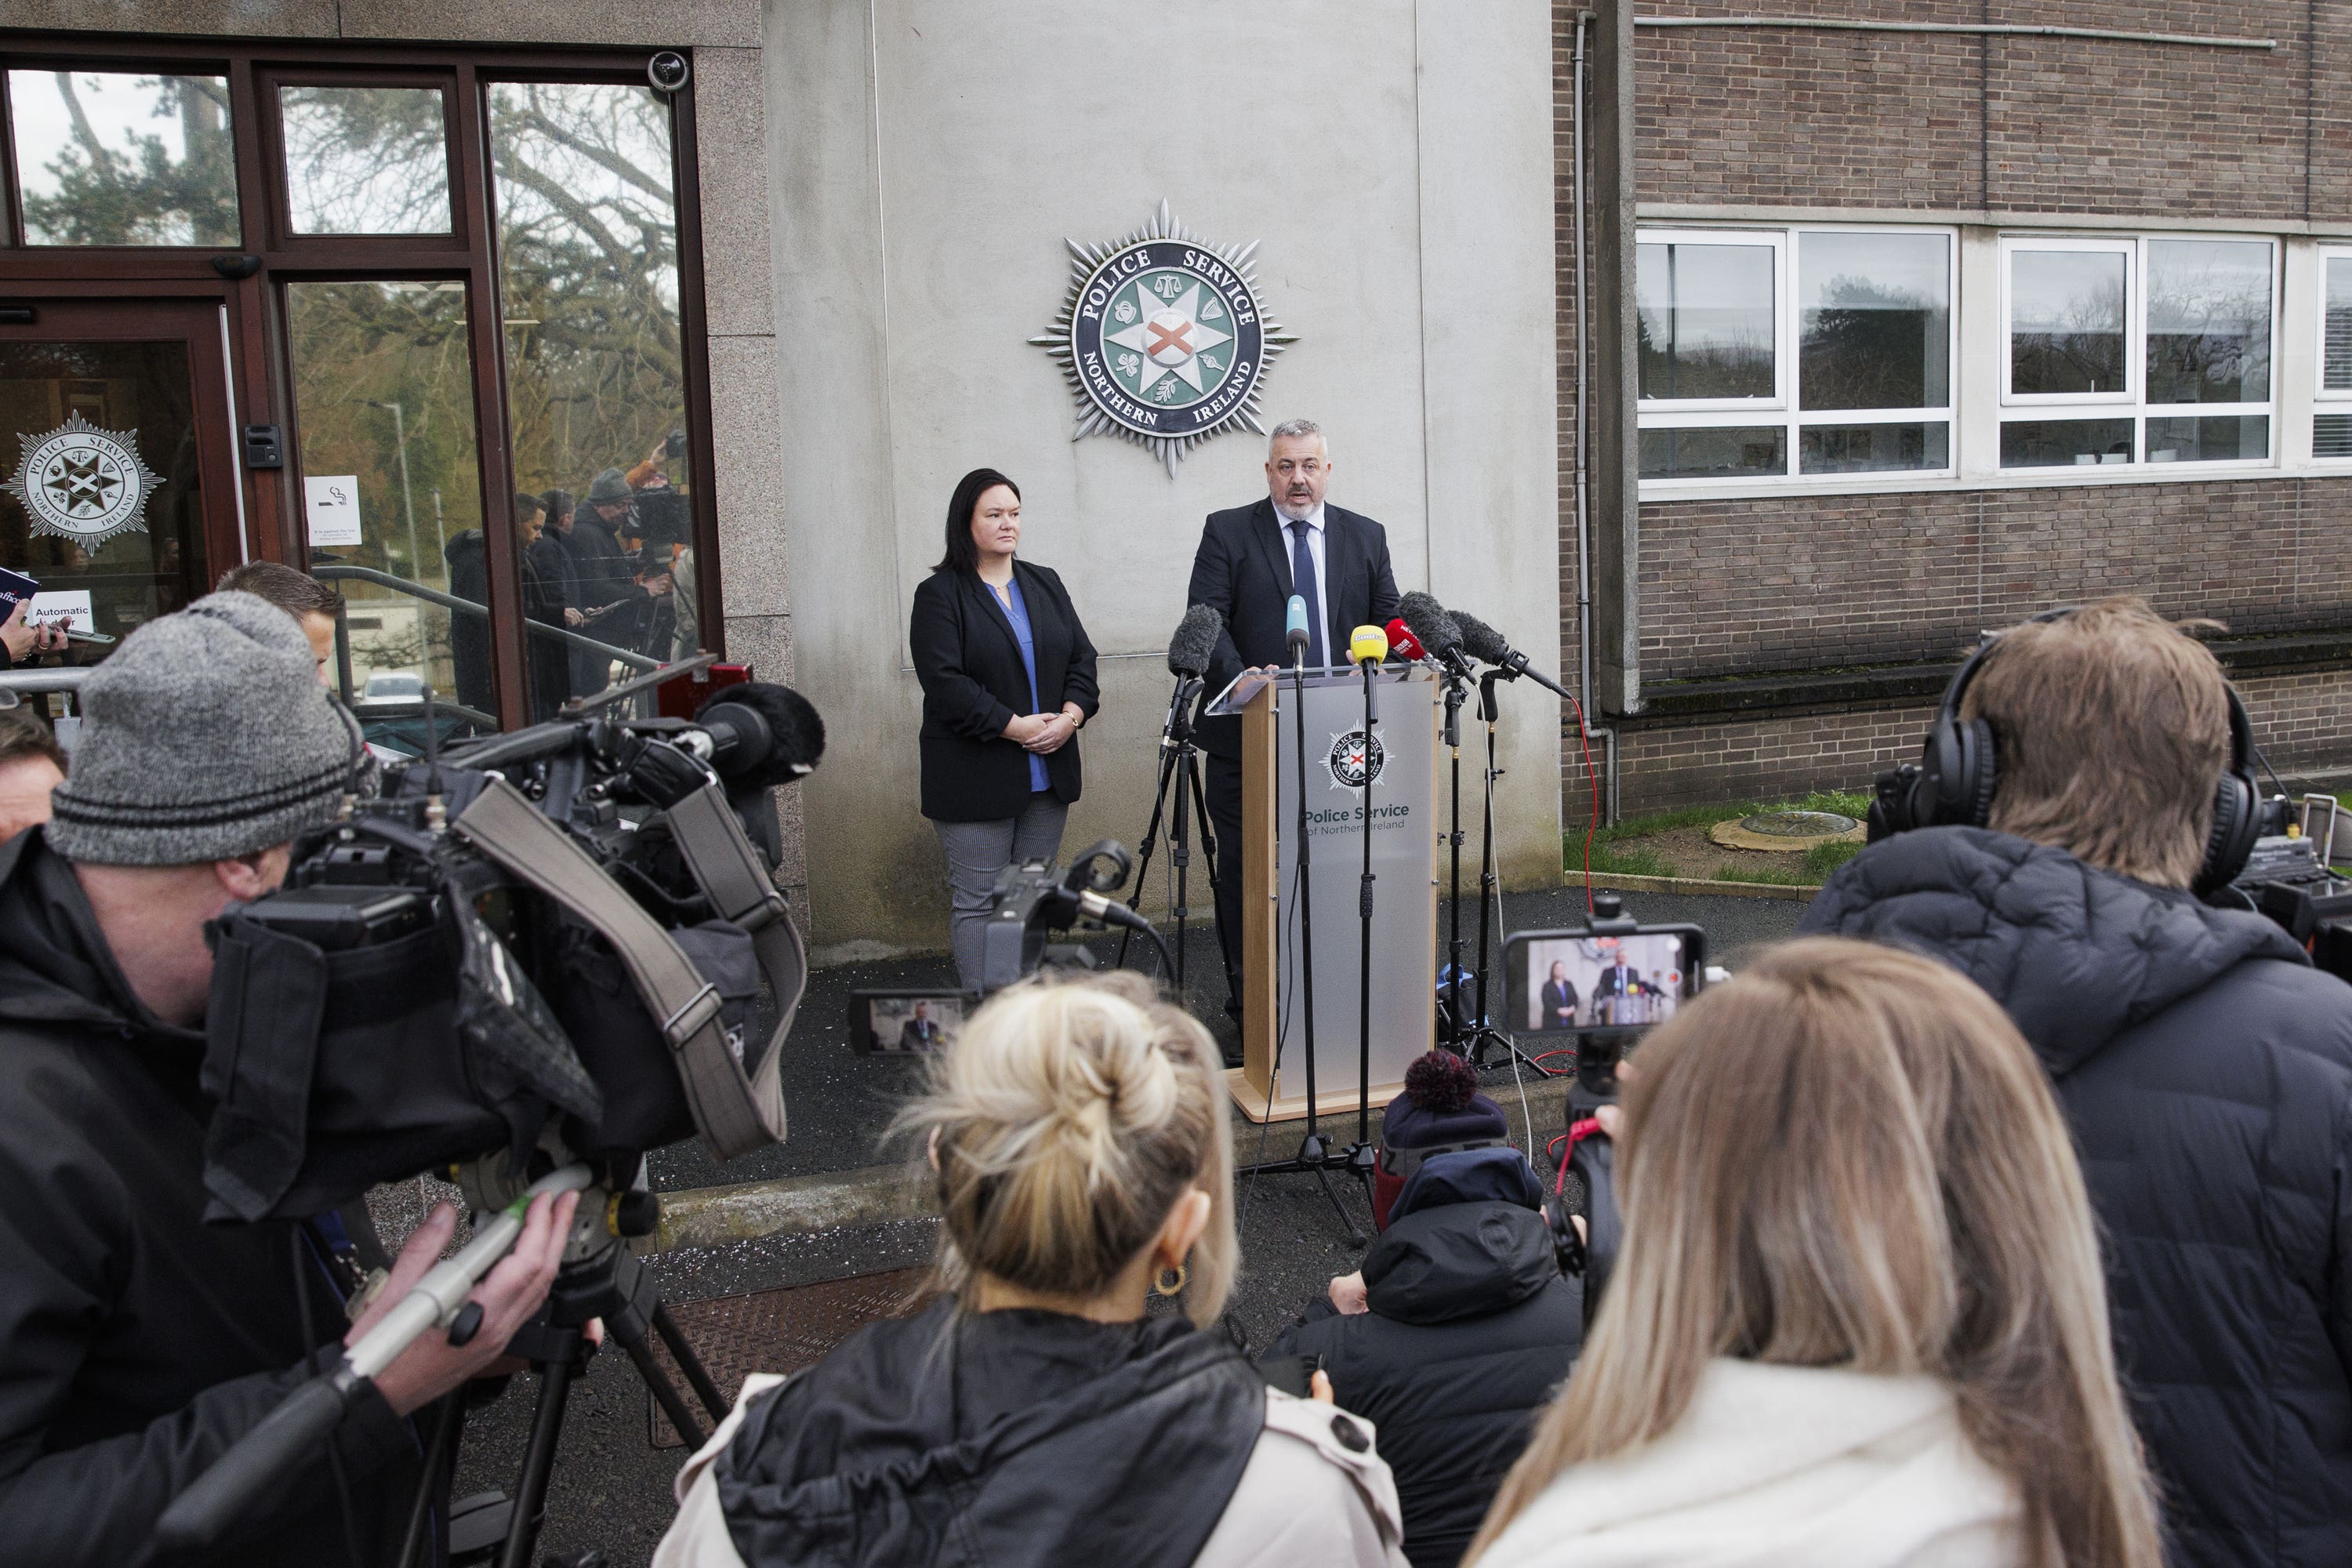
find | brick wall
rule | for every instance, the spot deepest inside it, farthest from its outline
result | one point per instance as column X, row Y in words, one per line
column 1739, row 587
column 1781, row 116
column 2299, row 722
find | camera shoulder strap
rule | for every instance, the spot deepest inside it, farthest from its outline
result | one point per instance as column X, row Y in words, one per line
column 710, row 837
column 735, row 1111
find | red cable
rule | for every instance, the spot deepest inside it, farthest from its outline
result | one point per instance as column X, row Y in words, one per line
column 1577, row 1132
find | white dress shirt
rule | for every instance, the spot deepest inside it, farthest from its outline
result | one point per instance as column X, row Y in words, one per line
column 1314, row 522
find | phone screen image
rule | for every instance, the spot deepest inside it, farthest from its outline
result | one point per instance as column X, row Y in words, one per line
column 1571, row 982
column 907, row 1023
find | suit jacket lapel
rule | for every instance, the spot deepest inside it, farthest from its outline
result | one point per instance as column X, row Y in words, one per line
column 1266, row 528
column 1340, row 568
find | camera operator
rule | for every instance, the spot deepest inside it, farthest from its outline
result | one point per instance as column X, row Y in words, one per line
column 2204, row 1067
column 137, row 1342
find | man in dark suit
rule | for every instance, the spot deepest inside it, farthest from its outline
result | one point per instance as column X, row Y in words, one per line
column 921, row 1032
column 1251, row 561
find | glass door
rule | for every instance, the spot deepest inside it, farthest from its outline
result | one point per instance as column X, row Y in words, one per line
column 117, row 489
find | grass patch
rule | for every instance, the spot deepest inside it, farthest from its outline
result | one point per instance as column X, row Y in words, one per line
column 1765, row 876
column 1623, row 860
column 1824, row 859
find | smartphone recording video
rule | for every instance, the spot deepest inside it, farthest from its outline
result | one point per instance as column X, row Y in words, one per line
column 1598, row 989
column 907, row 1023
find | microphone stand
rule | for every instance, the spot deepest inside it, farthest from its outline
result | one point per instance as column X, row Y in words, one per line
column 1362, row 1152
column 1315, row 1150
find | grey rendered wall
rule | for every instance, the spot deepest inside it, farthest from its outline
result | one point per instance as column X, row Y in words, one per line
column 929, row 157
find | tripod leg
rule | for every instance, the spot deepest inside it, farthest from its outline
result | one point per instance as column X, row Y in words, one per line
column 665, row 1393
column 1355, row 1232
column 538, row 1463
column 697, row 1377
column 1190, row 780
column 447, row 1416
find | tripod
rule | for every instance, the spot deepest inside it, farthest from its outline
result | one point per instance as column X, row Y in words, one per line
column 1180, row 768
column 608, row 1284
column 1315, row 1152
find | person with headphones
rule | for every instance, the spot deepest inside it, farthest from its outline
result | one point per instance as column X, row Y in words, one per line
column 2067, row 840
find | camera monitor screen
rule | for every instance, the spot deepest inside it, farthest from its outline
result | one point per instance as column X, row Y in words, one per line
column 907, row 1023
column 1577, row 982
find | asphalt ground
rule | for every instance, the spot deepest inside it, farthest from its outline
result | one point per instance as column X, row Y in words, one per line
column 612, row 1489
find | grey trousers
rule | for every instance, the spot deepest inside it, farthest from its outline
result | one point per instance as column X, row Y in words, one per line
column 976, row 852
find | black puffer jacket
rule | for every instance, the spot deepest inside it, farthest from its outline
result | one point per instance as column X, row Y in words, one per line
column 2206, row 1070
column 1471, row 1331
column 136, row 1342
column 1008, row 1439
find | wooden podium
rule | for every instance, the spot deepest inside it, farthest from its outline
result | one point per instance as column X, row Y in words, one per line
column 1271, row 1083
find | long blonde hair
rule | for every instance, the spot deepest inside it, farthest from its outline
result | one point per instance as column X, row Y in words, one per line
column 1064, row 1124
column 1848, row 1157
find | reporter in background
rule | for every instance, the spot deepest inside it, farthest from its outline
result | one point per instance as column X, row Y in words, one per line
column 2205, row 1068
column 313, row 604
column 21, row 641
column 1458, row 1328
column 1033, row 1413
column 1858, row 1318
column 137, row 1342
column 31, row 765
column 1008, row 678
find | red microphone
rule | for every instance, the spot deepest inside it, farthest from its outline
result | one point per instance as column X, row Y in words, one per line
column 1402, row 640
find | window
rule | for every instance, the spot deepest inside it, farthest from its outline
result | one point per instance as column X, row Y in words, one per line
column 124, row 158
column 365, row 160
column 2331, row 420
column 2136, row 350
column 1755, row 365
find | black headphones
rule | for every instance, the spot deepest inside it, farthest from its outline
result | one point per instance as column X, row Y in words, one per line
column 1953, row 783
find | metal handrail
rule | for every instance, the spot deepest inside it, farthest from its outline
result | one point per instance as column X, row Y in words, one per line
column 328, row 571
column 64, row 678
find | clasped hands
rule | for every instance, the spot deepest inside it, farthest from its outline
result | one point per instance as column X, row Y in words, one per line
column 1043, row 733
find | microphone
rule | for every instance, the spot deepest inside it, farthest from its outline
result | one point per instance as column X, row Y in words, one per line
column 1484, row 642
column 1436, row 630
column 1293, row 626
column 1194, row 641
column 1401, row 639
column 761, row 735
column 1368, row 645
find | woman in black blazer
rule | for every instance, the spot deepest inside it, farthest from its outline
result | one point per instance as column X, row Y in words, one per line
column 1008, row 681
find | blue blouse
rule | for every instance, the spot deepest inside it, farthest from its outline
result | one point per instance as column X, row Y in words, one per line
column 1017, row 610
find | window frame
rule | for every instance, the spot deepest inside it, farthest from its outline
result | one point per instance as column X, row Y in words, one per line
column 2132, row 403
column 1786, row 409
column 271, row 510
column 277, row 197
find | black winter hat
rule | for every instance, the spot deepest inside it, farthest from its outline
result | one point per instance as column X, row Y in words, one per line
column 1441, row 1105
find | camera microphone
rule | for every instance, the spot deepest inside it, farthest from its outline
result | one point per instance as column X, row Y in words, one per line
column 761, row 735
column 1434, row 629
column 1484, row 642
column 1195, row 641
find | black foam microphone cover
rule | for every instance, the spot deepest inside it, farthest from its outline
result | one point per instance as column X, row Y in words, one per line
column 1436, row 630
column 776, row 739
column 1195, row 641
column 1481, row 641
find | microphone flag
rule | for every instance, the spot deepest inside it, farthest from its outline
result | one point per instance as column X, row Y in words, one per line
column 1368, row 645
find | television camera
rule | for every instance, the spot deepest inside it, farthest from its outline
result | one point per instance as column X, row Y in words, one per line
column 520, row 966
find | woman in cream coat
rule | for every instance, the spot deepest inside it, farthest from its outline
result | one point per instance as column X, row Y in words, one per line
column 1858, row 1321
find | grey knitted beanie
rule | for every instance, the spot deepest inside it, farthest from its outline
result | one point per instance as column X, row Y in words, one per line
column 204, row 737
